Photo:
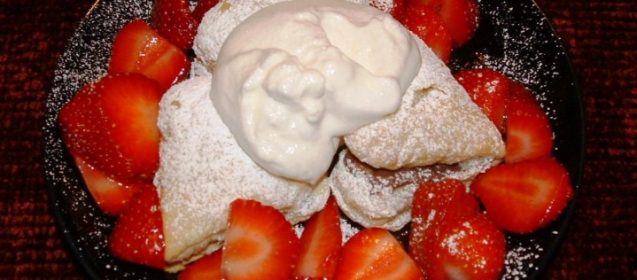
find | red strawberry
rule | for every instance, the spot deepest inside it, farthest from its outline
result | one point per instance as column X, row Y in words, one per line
column 430, row 27
column 138, row 234
column 397, row 9
column 259, row 243
column 139, row 49
column 111, row 196
column 529, row 133
column 375, row 253
column 202, row 7
column 524, row 196
column 489, row 90
column 208, row 267
column 434, row 205
column 174, row 21
column 471, row 249
column 460, row 17
column 111, row 124
column 320, row 244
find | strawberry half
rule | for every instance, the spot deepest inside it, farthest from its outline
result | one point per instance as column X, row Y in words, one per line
column 375, row 253
column 472, row 249
column 460, row 17
column 430, row 27
column 138, row 234
column 139, row 49
column 111, row 196
column 259, row 243
column 434, row 205
column 320, row 244
column 174, row 21
column 529, row 133
column 524, row 196
column 208, row 267
column 489, row 90
column 111, row 124
column 202, row 7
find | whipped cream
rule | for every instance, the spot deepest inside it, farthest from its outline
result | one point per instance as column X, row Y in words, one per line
column 295, row 76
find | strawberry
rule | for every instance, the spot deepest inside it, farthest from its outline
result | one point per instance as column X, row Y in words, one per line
column 138, row 48
column 396, row 10
column 435, row 204
column 174, row 21
column 489, row 90
column 524, row 196
column 320, row 244
column 138, row 234
column 111, row 196
column 208, row 267
column 374, row 253
column 111, row 124
column 259, row 243
column 529, row 133
column 471, row 249
column 430, row 27
column 202, row 7
column 460, row 17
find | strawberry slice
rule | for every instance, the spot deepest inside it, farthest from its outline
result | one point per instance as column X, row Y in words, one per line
column 320, row 244
column 460, row 17
column 202, row 7
column 138, row 48
column 489, row 90
column 138, row 234
column 434, row 205
column 173, row 20
column 471, row 248
column 208, row 267
column 430, row 27
column 529, row 133
column 111, row 124
column 524, row 196
column 259, row 243
column 111, row 196
column 374, row 253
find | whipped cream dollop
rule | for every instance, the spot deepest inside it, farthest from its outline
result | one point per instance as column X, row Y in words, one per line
column 294, row 77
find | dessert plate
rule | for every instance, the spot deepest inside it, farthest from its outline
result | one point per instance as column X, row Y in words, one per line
column 514, row 37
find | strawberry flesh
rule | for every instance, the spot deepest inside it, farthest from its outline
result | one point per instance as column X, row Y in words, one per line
column 138, row 234
column 460, row 17
column 208, row 267
column 259, row 243
column 174, row 21
column 489, row 90
column 524, row 196
column 430, row 27
column 320, row 244
column 202, row 7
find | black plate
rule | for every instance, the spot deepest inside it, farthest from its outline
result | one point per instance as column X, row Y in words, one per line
column 514, row 37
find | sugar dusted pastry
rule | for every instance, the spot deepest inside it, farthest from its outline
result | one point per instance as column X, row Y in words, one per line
column 437, row 123
column 202, row 170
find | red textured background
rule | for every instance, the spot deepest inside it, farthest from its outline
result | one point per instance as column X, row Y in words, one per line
column 601, row 37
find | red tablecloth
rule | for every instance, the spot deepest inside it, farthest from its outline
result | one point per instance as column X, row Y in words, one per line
column 601, row 37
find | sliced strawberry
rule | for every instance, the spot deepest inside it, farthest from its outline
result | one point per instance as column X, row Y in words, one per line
column 111, row 124
column 396, row 8
column 202, row 7
column 320, row 244
column 138, row 48
column 460, row 17
column 208, row 268
column 472, row 249
column 529, row 134
column 524, row 196
column 138, row 234
column 434, row 205
column 429, row 26
column 111, row 196
column 259, row 243
column 375, row 253
column 489, row 90
column 174, row 21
